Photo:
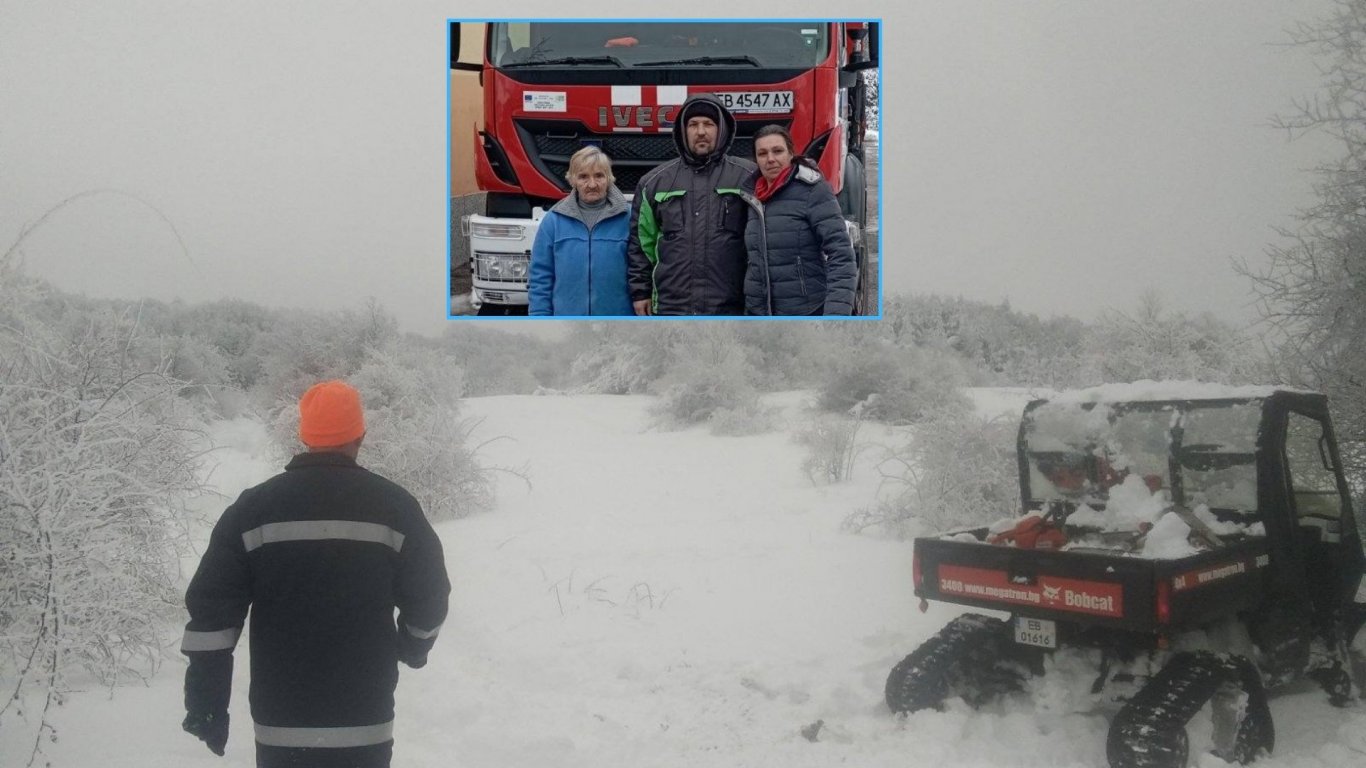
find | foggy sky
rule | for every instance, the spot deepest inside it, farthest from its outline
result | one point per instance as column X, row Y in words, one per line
column 1063, row 156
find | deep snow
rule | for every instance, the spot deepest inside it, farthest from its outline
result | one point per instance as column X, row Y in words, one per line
column 664, row 598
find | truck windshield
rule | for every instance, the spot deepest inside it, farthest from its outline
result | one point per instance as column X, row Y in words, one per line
column 1079, row 452
column 778, row 44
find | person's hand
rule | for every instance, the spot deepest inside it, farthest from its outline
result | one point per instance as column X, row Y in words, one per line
column 210, row 728
column 411, row 652
column 642, row 307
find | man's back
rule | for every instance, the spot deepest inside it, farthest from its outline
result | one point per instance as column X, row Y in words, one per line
column 321, row 555
column 331, row 550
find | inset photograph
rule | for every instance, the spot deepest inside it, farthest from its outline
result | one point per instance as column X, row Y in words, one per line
column 637, row 168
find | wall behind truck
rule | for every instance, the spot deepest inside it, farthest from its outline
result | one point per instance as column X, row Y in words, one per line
column 467, row 116
column 467, row 110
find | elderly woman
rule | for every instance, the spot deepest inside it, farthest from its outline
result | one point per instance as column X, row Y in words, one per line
column 801, row 261
column 578, row 262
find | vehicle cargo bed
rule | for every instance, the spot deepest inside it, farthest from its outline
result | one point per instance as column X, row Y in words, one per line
column 1095, row 588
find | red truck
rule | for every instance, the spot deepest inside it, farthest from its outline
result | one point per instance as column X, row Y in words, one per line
column 1198, row 551
column 552, row 87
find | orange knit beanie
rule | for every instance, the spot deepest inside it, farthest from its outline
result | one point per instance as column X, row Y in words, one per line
column 330, row 414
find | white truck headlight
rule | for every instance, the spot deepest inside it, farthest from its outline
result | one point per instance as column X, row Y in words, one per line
column 501, row 231
column 502, row 266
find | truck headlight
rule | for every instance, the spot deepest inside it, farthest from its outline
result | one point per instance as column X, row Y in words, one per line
column 502, row 231
column 502, row 266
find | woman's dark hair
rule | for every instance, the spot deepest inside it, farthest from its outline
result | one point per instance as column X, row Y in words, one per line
column 773, row 129
column 776, row 130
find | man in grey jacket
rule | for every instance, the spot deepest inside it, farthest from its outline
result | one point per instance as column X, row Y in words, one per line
column 686, row 254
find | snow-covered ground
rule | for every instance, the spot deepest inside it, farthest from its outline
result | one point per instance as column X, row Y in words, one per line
column 664, row 598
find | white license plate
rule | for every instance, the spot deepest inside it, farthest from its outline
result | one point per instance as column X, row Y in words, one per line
column 757, row 101
column 1040, row 632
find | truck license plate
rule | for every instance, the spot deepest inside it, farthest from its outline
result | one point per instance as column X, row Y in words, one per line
column 756, row 101
column 1040, row 632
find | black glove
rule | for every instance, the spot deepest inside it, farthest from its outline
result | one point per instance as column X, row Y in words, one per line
column 413, row 659
column 412, row 651
column 210, row 727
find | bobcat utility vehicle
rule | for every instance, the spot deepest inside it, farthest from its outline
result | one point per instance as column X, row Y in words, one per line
column 1195, row 543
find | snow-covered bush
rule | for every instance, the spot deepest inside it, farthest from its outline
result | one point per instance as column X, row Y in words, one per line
column 414, row 434
column 749, row 418
column 97, row 460
column 957, row 469
column 1153, row 343
column 416, row 438
column 710, row 372
column 305, row 347
column 893, row 385
column 607, row 371
column 501, row 363
column 620, row 359
column 831, row 446
column 785, row 355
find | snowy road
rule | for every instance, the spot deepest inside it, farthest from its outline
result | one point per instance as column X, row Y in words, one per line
column 667, row 599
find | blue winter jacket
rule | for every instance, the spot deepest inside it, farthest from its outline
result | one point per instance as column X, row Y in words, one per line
column 577, row 272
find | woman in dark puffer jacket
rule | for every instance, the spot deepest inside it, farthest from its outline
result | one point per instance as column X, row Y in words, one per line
column 801, row 261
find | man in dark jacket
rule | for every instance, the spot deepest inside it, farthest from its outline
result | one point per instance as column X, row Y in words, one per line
column 686, row 254
column 322, row 555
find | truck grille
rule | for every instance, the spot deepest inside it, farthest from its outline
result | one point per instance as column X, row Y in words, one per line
column 549, row 144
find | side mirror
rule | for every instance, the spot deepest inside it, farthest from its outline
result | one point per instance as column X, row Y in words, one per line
column 869, row 36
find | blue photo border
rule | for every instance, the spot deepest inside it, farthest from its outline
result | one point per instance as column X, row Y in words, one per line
column 449, row 219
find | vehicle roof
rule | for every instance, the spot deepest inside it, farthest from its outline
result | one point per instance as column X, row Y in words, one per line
column 1161, row 391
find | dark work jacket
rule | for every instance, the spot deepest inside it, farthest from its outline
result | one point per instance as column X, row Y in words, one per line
column 687, row 249
column 322, row 555
column 801, row 261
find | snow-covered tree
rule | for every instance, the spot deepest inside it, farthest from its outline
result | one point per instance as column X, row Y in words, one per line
column 411, row 388
column 870, row 107
column 1313, row 288
column 957, row 469
column 1153, row 343
column 97, row 460
column 710, row 372
column 891, row 384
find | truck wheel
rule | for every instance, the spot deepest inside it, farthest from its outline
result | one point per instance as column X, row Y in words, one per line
column 864, row 285
column 969, row 657
column 1150, row 731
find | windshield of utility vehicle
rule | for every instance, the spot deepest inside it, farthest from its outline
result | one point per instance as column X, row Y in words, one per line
column 1077, row 452
column 630, row 44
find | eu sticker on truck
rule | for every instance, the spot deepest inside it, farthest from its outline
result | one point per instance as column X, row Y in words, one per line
column 757, row 101
column 1040, row 632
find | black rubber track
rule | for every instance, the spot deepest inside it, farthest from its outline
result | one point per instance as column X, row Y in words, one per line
column 969, row 657
column 1150, row 731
